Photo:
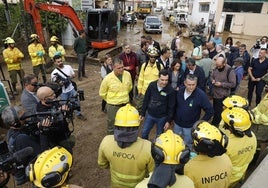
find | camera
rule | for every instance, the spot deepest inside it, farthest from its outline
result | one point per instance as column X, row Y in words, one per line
column 62, row 81
column 257, row 45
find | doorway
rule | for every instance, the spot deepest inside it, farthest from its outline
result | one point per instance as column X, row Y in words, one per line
column 228, row 21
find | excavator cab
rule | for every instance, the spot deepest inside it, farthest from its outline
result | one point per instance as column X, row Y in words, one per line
column 101, row 26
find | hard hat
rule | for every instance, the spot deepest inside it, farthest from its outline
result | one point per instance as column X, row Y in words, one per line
column 153, row 52
column 238, row 118
column 205, row 134
column 169, row 148
column 34, row 36
column 9, row 40
column 54, row 39
column 127, row 116
column 51, row 168
column 235, row 101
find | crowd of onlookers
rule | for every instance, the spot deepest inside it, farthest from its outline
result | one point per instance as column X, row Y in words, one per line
column 171, row 90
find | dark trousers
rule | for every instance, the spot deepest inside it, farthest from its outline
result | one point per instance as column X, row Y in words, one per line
column 217, row 106
column 81, row 62
column 259, row 88
column 103, row 105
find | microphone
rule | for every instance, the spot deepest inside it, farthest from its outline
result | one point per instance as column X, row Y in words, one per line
column 21, row 155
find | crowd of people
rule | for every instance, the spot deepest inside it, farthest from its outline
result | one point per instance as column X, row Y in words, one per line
column 42, row 121
column 199, row 123
column 189, row 98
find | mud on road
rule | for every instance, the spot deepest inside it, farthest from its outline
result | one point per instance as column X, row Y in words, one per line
column 85, row 171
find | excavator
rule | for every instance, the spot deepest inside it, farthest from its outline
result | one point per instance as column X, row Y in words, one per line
column 100, row 26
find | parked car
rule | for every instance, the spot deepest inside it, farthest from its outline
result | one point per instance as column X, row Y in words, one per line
column 152, row 24
column 158, row 9
column 129, row 17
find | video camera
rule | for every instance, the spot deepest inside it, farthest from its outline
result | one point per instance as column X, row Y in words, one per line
column 61, row 80
column 11, row 162
column 257, row 45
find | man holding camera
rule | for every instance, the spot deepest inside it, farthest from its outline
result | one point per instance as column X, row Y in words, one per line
column 62, row 75
column 19, row 140
column 58, row 132
column 261, row 43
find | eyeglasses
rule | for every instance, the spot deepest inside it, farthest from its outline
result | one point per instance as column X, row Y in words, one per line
column 35, row 84
column 152, row 57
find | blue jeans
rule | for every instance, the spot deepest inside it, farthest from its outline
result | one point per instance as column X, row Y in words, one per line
column 71, row 95
column 149, row 123
column 81, row 63
column 185, row 133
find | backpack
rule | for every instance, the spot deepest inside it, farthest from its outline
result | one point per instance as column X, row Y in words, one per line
column 198, row 40
column 236, row 84
column 173, row 44
column 157, row 64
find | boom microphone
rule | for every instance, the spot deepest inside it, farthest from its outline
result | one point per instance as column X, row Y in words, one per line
column 22, row 154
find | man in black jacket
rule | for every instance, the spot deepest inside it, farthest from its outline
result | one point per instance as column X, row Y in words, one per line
column 158, row 105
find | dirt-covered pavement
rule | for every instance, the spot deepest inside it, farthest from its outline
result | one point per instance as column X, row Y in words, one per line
column 85, row 171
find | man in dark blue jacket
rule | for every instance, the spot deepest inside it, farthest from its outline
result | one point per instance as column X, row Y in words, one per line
column 158, row 105
column 190, row 101
column 192, row 68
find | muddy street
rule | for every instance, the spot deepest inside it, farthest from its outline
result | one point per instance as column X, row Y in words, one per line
column 85, row 171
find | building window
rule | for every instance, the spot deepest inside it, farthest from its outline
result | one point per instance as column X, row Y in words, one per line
column 204, row 7
column 242, row 7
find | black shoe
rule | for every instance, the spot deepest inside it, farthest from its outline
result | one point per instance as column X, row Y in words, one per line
column 80, row 79
column 85, row 76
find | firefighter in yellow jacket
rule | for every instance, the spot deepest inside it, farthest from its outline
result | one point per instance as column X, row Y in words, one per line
column 56, row 48
column 168, row 152
column 37, row 52
column 114, row 89
column 127, row 155
column 12, row 57
column 242, row 142
column 211, row 167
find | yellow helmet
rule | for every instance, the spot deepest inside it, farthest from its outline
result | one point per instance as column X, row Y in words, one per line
column 204, row 133
column 238, row 118
column 9, row 40
column 235, row 101
column 153, row 52
column 127, row 116
column 51, row 168
column 169, row 148
column 34, row 36
column 54, row 39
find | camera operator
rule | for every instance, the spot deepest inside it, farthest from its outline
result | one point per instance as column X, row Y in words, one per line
column 58, row 132
column 261, row 43
column 28, row 98
column 62, row 75
column 17, row 139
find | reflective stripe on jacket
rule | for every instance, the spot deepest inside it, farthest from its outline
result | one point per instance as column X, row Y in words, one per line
column 13, row 57
column 33, row 49
column 129, row 165
column 115, row 92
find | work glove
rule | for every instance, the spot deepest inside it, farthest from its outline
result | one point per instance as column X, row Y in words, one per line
column 39, row 53
column 58, row 53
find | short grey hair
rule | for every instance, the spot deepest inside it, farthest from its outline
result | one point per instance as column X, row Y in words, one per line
column 8, row 115
column 191, row 77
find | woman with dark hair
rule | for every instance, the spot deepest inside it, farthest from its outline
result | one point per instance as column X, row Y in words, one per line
column 182, row 57
column 176, row 74
column 228, row 42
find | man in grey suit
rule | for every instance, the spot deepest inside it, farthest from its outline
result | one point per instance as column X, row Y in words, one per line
column 28, row 98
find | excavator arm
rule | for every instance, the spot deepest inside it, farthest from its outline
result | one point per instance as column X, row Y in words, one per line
column 62, row 8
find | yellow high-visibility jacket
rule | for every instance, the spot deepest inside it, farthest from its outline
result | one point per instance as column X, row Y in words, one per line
column 33, row 49
column 52, row 50
column 147, row 76
column 261, row 112
column 115, row 92
column 13, row 58
column 129, row 165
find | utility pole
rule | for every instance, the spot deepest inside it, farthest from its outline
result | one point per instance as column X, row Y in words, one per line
column 7, row 13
